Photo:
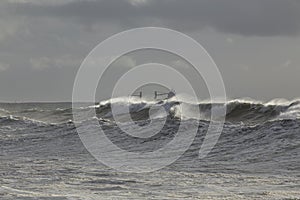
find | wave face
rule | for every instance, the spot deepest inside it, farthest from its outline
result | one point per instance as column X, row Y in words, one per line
column 256, row 157
column 238, row 111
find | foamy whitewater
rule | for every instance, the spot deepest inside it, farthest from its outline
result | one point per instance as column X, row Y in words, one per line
column 256, row 157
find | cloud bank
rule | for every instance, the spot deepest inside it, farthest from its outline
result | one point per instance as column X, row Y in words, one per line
column 244, row 17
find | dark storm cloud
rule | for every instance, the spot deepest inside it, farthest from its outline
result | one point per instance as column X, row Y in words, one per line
column 245, row 17
column 43, row 42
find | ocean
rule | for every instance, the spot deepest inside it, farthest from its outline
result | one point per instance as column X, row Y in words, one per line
column 256, row 157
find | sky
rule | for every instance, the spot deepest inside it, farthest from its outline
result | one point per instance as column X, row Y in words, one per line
column 255, row 44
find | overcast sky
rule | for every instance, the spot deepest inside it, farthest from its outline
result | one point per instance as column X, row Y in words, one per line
column 255, row 43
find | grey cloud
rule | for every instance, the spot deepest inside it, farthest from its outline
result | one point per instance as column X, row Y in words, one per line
column 43, row 43
column 245, row 17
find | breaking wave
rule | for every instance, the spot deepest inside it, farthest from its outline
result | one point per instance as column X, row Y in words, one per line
column 237, row 111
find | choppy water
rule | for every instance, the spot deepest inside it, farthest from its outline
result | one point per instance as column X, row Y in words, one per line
column 256, row 157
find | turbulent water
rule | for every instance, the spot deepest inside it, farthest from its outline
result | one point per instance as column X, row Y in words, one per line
column 257, row 155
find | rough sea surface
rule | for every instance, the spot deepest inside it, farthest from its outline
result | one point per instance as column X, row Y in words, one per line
column 257, row 155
